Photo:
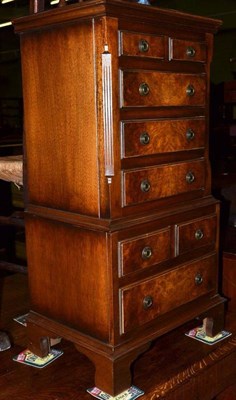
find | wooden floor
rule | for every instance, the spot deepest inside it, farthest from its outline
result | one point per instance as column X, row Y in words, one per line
column 69, row 376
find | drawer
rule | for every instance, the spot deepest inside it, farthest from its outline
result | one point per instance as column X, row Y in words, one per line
column 162, row 181
column 196, row 233
column 187, row 50
column 145, row 301
column 142, row 45
column 155, row 89
column 163, row 136
column 144, row 251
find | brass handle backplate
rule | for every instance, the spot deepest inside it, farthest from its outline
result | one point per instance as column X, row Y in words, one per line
column 199, row 234
column 143, row 46
column 146, row 253
column 147, row 302
column 144, row 138
column 145, row 186
column 144, row 89
column 198, row 279
column 190, row 178
column 190, row 91
column 190, row 134
column 190, row 51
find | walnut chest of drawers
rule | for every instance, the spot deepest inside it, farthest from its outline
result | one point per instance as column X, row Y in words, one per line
column 122, row 230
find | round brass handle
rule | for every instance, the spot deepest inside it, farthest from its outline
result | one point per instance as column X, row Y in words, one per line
column 147, row 302
column 190, row 91
column 146, row 253
column 145, row 186
column 144, row 138
column 198, row 279
column 143, row 46
column 190, row 178
column 144, row 89
column 190, row 51
column 190, row 134
column 199, row 234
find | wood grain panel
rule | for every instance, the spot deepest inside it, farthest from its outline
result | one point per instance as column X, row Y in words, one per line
column 162, row 136
column 131, row 44
column 197, row 233
column 60, row 118
column 165, row 89
column 187, row 50
column 164, row 181
column 167, row 291
column 144, row 251
column 64, row 264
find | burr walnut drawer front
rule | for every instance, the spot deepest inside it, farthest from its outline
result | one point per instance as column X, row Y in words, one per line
column 162, row 181
column 142, row 45
column 145, row 301
column 154, row 89
column 144, row 251
column 197, row 233
column 162, row 136
column 187, row 50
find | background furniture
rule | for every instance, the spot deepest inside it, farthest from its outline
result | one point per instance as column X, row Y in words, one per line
column 121, row 227
column 11, row 218
column 11, row 169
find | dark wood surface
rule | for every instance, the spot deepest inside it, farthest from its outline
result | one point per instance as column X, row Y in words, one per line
column 175, row 368
column 81, row 82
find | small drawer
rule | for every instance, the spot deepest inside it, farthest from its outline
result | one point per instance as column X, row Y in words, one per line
column 163, row 136
column 142, row 45
column 187, row 50
column 155, row 89
column 143, row 302
column 144, row 251
column 196, row 233
column 162, row 181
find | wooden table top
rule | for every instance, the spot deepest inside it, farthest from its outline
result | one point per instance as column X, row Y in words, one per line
column 11, row 169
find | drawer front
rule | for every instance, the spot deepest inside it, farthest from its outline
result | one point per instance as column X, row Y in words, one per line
column 146, row 301
column 162, row 181
column 197, row 233
column 144, row 251
column 154, row 89
column 142, row 45
column 163, row 136
column 187, row 50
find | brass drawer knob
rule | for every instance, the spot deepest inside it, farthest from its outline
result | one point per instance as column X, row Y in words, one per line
column 147, row 302
column 198, row 279
column 143, row 46
column 190, row 51
column 190, row 178
column 190, row 134
column 144, row 89
column 199, row 234
column 190, row 91
column 144, row 138
column 145, row 186
column 146, row 253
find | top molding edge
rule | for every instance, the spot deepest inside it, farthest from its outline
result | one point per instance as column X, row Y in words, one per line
column 114, row 8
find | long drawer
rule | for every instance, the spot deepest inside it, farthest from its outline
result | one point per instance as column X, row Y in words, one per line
column 162, row 136
column 162, row 181
column 143, row 302
column 156, row 89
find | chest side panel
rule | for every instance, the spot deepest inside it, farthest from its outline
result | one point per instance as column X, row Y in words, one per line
column 58, row 72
